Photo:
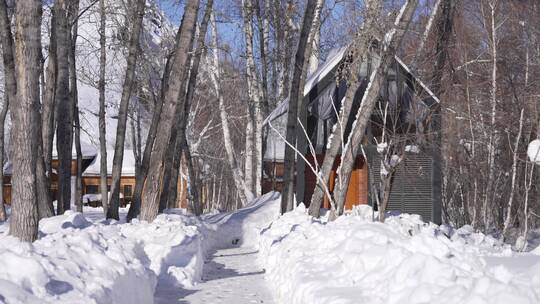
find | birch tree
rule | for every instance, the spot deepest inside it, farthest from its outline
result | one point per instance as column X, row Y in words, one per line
column 133, row 54
column 357, row 51
column 244, row 192
column 390, row 43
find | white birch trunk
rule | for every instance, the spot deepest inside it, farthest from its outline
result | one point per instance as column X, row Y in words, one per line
column 244, row 192
column 508, row 220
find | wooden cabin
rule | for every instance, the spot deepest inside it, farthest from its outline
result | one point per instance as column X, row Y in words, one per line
column 91, row 179
column 88, row 155
column 416, row 183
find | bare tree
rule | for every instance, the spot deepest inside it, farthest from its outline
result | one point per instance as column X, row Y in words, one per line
column 357, row 51
column 49, row 100
column 3, row 115
column 181, row 143
column 153, row 185
column 243, row 191
column 24, row 216
column 102, row 121
column 64, row 107
column 296, row 97
column 74, row 95
column 370, row 97
column 133, row 53
column 10, row 83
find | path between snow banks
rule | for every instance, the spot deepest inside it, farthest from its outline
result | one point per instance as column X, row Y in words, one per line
column 230, row 276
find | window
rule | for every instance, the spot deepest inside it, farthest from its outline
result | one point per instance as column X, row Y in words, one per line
column 91, row 189
column 127, row 190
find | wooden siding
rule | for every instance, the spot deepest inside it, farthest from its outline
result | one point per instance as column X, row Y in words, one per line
column 357, row 193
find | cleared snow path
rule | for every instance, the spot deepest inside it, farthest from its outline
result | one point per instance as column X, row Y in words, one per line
column 230, row 276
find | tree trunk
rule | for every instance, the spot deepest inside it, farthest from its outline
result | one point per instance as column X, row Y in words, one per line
column 129, row 80
column 255, row 120
column 244, row 193
column 390, row 44
column 154, row 180
column 24, row 216
column 8, row 60
column 73, row 21
column 181, row 140
column 134, row 208
column 336, row 144
column 493, row 132
column 3, row 114
column 102, row 122
column 301, row 138
column 49, row 101
column 174, row 151
column 64, row 107
column 508, row 219
column 296, row 97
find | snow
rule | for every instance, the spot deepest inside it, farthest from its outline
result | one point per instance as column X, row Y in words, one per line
column 533, row 151
column 89, row 198
column 78, row 260
column 128, row 164
column 254, row 255
column 355, row 260
column 381, row 147
column 412, row 149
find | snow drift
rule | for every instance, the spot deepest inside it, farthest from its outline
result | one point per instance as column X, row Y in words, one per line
column 80, row 261
column 355, row 260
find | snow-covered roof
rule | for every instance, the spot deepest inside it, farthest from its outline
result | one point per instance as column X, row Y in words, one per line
column 128, row 164
column 88, row 151
column 334, row 58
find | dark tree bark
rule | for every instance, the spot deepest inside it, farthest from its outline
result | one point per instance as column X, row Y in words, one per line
column 154, row 181
column 135, row 207
column 73, row 20
column 102, row 122
column 3, row 114
column 64, row 106
column 49, row 101
column 296, row 97
column 180, row 140
column 6, row 40
column 25, row 133
column 444, row 32
column 134, row 48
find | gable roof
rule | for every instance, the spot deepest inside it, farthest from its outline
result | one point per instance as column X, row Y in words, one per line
column 335, row 57
column 128, row 164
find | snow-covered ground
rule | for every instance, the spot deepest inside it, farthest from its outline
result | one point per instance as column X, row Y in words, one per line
column 255, row 256
column 355, row 260
column 83, row 260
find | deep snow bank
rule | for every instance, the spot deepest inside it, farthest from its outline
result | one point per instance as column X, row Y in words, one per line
column 354, row 260
column 244, row 226
column 80, row 261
